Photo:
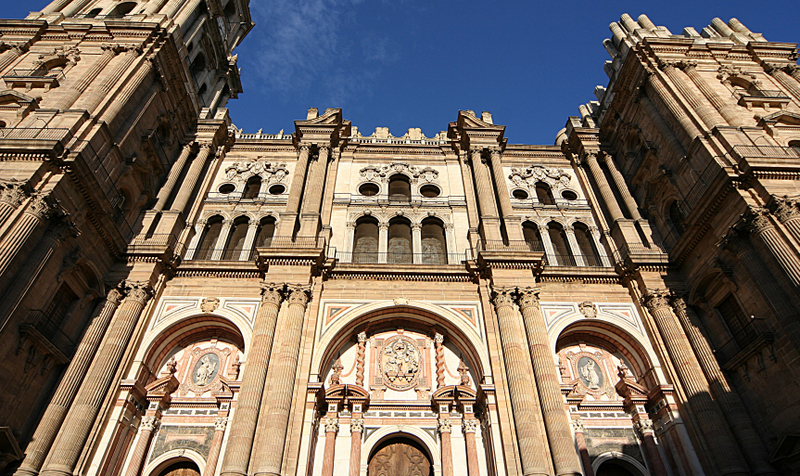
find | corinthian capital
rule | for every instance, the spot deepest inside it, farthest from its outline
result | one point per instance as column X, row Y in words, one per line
column 528, row 297
column 138, row 291
column 786, row 209
column 502, row 296
column 469, row 425
column 40, row 207
column 356, row 425
column 331, row 425
column 271, row 293
column 149, row 423
column 444, row 425
column 114, row 296
column 220, row 423
column 656, row 299
column 297, row 294
column 12, row 194
column 756, row 220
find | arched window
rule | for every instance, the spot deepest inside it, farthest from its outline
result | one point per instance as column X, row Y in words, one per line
column 586, row 244
column 252, row 188
column 93, row 12
column 434, row 250
column 264, row 233
column 365, row 241
column 795, row 144
column 235, row 244
column 675, row 217
column 737, row 321
column 399, row 249
column 532, row 237
column 205, row 247
column 122, row 9
column 544, row 194
column 399, row 188
column 560, row 245
column 199, row 64
column 55, row 312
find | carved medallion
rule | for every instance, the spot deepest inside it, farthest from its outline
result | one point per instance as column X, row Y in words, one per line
column 590, row 373
column 399, row 363
column 206, row 369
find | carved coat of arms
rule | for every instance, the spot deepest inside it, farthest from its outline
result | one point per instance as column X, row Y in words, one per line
column 399, row 363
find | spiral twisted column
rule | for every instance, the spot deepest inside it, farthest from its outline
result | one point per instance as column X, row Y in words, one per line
column 438, row 342
column 360, row 355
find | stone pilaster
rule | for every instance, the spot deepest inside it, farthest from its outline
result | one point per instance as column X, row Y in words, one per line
column 189, row 182
column 521, row 385
column 667, row 133
column 758, row 223
column 146, row 428
column 72, row 437
column 243, row 426
column 677, row 111
column 590, row 159
column 356, row 432
column 280, row 384
column 644, row 427
column 506, row 210
column 383, row 242
column 778, row 72
column 36, row 213
column 289, row 216
column 91, row 100
column 445, row 428
column 54, row 415
column 470, row 426
column 110, row 115
column 172, row 178
column 486, row 203
column 220, row 423
column 622, row 186
column 556, row 420
column 709, row 116
column 11, row 55
column 88, row 77
column 312, row 200
column 706, row 412
column 726, row 109
column 329, row 455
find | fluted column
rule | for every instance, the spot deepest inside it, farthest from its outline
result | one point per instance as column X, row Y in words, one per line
column 726, row 109
column 356, row 432
column 645, row 429
column 445, row 428
column 708, row 415
column 759, row 224
column 10, row 55
column 777, row 72
column 94, row 98
column 287, row 223
column 486, row 203
column 74, row 7
column 186, row 12
column 36, row 213
column 154, row 6
column 55, row 6
column 732, row 406
column 521, row 385
column 146, row 428
column 54, row 415
column 174, row 173
column 189, row 182
column 220, row 423
column 794, row 71
column 556, row 421
column 280, row 386
column 513, row 231
column 469, row 426
column 124, row 95
column 580, row 442
column 11, row 197
column 243, row 426
column 624, row 192
column 329, row 455
column 677, row 111
column 610, row 200
column 788, row 214
column 313, row 193
column 78, row 88
column 667, row 133
column 72, row 437
column 709, row 116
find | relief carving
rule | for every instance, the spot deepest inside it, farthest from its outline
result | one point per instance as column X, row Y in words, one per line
column 527, row 177
column 399, row 363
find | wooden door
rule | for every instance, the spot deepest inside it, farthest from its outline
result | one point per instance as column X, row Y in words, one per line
column 181, row 469
column 399, row 458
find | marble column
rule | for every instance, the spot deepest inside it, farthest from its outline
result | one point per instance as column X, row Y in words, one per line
column 55, row 412
column 222, row 240
column 289, row 216
column 249, row 241
column 79, row 87
column 758, row 223
column 172, row 178
column 416, row 243
column 312, row 200
column 677, row 111
column 486, row 203
column 590, row 159
column 580, row 442
column 146, row 428
column 220, row 423
column 11, row 197
column 708, row 115
column 11, row 55
column 280, row 384
column 777, row 72
column 513, row 229
column 243, row 426
column 577, row 258
column 383, row 242
column 521, row 385
column 35, row 215
column 644, row 427
column 469, row 426
column 622, row 186
column 356, row 433
column 709, row 418
column 725, row 108
column 190, row 181
column 469, row 196
column 556, row 420
column 329, row 454
column 122, row 98
column 445, row 428
column 732, row 406
column 93, row 98
column 70, row 441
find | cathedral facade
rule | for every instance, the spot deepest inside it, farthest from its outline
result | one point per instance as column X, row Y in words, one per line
column 181, row 297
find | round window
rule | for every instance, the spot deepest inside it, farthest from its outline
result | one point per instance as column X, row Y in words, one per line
column 520, row 194
column 277, row 189
column 569, row 195
column 429, row 191
column 226, row 188
column 368, row 190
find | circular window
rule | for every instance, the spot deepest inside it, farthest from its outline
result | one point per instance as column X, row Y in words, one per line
column 569, row 195
column 429, row 191
column 368, row 190
column 520, row 194
column 277, row 189
column 226, row 188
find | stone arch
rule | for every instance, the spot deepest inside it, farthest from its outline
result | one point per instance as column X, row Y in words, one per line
column 163, row 461
column 386, row 433
column 399, row 186
column 628, row 462
column 416, row 315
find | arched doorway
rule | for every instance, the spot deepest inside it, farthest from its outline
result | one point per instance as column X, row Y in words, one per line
column 184, row 468
column 617, row 467
column 399, row 457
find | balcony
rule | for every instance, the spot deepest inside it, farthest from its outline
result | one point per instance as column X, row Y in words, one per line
column 396, row 258
column 33, row 78
column 156, row 245
column 764, row 98
column 748, row 342
column 47, row 338
column 752, row 158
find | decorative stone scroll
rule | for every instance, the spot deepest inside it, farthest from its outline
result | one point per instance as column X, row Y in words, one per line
column 270, row 173
column 376, row 173
column 527, row 177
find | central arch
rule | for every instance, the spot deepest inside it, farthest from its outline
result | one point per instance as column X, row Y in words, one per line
column 399, row 456
column 387, row 435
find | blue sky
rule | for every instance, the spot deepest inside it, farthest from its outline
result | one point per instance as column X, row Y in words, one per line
column 414, row 63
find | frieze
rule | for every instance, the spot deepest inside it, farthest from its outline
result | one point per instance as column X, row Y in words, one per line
column 269, row 172
column 526, row 178
column 376, row 173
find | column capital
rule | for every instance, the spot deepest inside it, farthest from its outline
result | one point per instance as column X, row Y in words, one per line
column 297, row 294
column 503, row 296
column 644, row 426
column 495, row 150
column 60, row 227
column 149, row 423
column 40, row 206
column 271, row 293
column 331, row 425
column 589, row 156
column 356, row 425
column 438, row 338
column 361, row 337
column 577, row 426
column 756, row 220
column 416, row 226
column 528, row 297
column 656, row 299
column 220, row 423
column 444, row 425
column 678, row 303
column 785, row 209
column 686, row 65
column 469, row 425
column 139, row 291
column 114, row 296
column 13, row 194
column 665, row 65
